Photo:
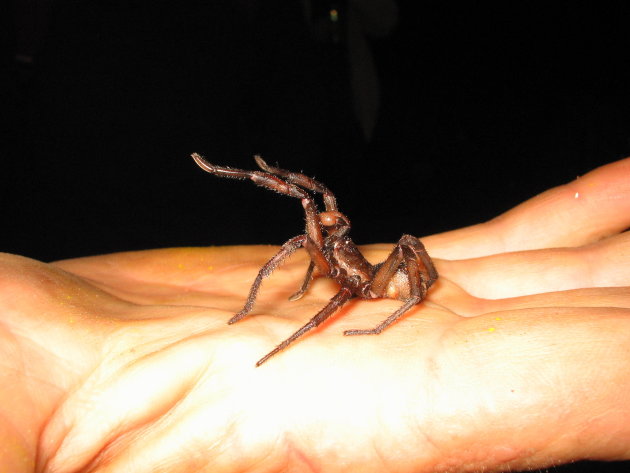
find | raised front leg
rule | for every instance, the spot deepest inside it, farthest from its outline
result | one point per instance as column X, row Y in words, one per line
column 272, row 182
column 301, row 180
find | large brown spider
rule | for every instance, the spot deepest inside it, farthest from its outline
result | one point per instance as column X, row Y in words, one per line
column 406, row 274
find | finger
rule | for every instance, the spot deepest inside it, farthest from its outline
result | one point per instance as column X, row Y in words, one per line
column 465, row 305
column 534, row 361
column 588, row 297
column 583, row 211
column 602, row 264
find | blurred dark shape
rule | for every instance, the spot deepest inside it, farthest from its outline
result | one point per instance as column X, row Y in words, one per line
column 237, row 79
column 350, row 24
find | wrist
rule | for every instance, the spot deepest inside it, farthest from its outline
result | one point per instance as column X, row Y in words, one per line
column 45, row 350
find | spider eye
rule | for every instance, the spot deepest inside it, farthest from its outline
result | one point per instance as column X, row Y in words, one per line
column 329, row 219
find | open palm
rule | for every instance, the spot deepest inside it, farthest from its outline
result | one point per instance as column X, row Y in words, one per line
column 518, row 358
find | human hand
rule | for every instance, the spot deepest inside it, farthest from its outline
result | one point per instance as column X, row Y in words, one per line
column 517, row 359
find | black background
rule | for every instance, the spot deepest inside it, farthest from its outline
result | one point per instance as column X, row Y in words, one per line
column 482, row 107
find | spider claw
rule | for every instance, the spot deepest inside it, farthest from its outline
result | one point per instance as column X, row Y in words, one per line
column 267, row 356
column 296, row 296
column 261, row 163
column 237, row 317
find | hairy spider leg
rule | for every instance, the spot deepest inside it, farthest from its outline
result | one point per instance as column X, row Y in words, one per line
column 289, row 187
column 421, row 253
column 330, row 202
column 308, row 277
column 386, row 271
column 341, row 229
column 388, row 268
column 343, row 296
column 411, row 252
column 276, row 260
column 313, row 241
column 285, row 251
column 263, row 179
column 269, row 181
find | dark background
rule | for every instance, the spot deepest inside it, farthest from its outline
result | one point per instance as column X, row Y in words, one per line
column 481, row 108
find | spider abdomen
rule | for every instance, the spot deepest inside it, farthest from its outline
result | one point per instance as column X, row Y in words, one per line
column 398, row 286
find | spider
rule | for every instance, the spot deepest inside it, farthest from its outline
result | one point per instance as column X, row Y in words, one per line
column 406, row 274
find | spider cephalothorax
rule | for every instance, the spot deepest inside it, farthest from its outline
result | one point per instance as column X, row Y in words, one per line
column 406, row 274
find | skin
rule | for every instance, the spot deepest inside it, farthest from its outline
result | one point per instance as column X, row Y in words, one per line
column 519, row 357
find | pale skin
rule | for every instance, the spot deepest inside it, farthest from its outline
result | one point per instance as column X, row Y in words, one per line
column 518, row 358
